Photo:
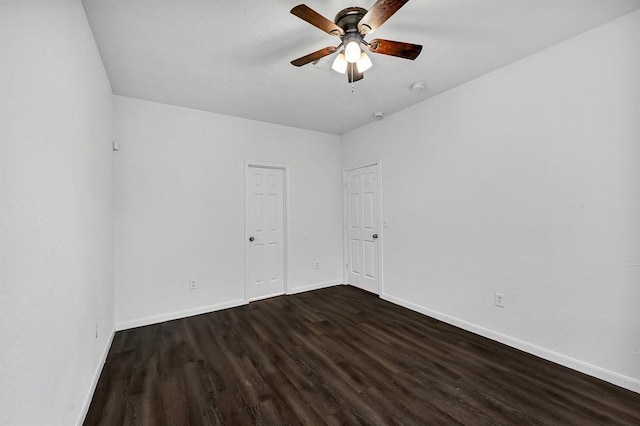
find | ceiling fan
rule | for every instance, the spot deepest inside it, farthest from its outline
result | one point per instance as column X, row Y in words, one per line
column 352, row 25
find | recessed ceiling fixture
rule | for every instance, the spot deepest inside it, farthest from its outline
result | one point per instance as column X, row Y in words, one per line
column 418, row 86
column 378, row 115
column 352, row 25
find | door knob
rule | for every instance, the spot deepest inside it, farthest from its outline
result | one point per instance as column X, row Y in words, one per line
column 375, row 236
column 251, row 238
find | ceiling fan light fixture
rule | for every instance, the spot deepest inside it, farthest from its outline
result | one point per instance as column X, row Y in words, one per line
column 364, row 63
column 340, row 63
column 352, row 51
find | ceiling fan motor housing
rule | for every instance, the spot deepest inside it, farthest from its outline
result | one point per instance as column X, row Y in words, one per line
column 348, row 19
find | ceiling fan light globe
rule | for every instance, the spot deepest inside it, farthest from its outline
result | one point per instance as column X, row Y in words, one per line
column 340, row 64
column 352, row 51
column 364, row 63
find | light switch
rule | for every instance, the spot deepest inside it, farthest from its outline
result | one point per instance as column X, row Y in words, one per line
column 385, row 222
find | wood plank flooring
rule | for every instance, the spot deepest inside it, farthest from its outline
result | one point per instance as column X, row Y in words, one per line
column 338, row 356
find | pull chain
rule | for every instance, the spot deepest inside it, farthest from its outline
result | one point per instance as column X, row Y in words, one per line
column 353, row 87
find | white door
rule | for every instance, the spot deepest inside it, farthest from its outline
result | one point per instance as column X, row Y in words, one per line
column 264, row 232
column 362, row 223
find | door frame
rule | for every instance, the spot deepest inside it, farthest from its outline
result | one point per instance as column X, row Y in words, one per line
column 248, row 164
column 345, row 250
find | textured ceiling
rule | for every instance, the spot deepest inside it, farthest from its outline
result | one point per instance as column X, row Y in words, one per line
column 232, row 57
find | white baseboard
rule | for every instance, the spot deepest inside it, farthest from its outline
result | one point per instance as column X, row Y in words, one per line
column 266, row 296
column 155, row 319
column 94, row 381
column 314, row 286
column 575, row 364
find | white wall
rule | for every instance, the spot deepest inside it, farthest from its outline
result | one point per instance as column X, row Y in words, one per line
column 179, row 178
column 525, row 181
column 56, row 224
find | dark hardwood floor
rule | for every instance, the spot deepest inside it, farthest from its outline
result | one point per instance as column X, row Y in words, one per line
column 338, row 356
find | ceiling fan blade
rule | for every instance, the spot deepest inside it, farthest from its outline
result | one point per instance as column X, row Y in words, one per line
column 378, row 14
column 353, row 74
column 314, row 56
column 305, row 13
column 395, row 48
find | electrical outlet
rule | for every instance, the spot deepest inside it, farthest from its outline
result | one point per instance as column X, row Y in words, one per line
column 192, row 284
column 499, row 300
column 317, row 264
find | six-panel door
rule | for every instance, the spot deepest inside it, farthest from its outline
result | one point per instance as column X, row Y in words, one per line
column 264, row 218
column 363, row 228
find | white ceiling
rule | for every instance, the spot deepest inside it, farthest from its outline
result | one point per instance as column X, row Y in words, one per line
column 232, row 57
